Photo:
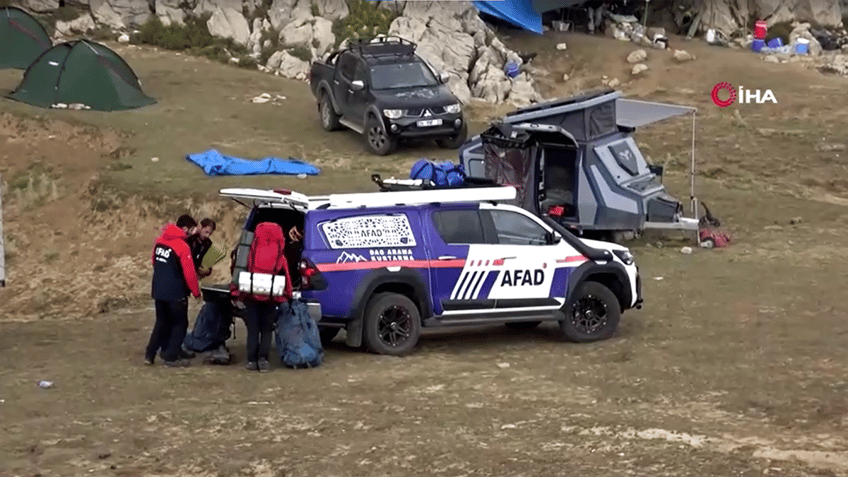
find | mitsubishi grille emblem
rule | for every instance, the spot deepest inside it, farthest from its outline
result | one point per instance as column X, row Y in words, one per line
column 427, row 113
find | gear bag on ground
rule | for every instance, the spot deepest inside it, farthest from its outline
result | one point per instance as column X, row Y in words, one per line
column 211, row 328
column 297, row 337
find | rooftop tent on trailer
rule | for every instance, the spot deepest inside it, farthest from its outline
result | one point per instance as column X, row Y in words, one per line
column 22, row 38
column 576, row 159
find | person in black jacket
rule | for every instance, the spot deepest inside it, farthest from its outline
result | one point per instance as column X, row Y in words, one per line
column 174, row 278
column 200, row 243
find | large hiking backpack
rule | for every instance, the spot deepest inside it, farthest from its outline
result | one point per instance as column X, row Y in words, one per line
column 298, row 340
column 211, row 328
column 445, row 174
column 265, row 276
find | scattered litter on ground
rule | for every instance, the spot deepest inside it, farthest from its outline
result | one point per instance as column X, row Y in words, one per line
column 561, row 46
column 658, row 278
column 266, row 98
column 45, row 384
column 154, row 159
column 686, row 250
column 508, row 426
column 503, row 365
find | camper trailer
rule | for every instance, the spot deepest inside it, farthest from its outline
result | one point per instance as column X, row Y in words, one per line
column 575, row 160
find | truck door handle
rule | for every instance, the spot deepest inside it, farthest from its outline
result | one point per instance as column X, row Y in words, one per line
column 447, row 257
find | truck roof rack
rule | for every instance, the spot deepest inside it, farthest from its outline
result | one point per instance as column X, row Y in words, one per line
column 384, row 46
column 397, row 185
column 421, row 197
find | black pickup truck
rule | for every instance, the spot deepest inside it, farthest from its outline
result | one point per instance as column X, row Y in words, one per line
column 386, row 92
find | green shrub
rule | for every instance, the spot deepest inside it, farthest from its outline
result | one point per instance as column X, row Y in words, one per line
column 274, row 37
column 365, row 21
column 248, row 63
column 66, row 14
column 261, row 11
column 780, row 30
column 299, row 51
column 103, row 33
column 194, row 34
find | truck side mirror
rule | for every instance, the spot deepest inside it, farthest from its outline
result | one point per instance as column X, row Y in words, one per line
column 357, row 85
column 444, row 77
column 554, row 238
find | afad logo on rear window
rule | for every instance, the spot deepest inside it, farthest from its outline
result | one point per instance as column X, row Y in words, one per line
column 724, row 95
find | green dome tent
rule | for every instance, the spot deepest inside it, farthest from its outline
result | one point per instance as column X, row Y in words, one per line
column 81, row 72
column 22, row 38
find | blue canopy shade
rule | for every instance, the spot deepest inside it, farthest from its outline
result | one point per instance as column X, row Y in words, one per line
column 518, row 12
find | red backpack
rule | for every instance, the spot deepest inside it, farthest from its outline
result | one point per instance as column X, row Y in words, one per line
column 267, row 256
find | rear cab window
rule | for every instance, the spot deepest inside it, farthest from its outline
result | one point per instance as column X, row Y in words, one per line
column 460, row 226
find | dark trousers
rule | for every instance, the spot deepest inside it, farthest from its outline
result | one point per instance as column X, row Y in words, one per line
column 169, row 331
column 259, row 317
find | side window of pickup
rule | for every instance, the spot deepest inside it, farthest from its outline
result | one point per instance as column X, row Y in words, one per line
column 347, row 66
column 459, row 226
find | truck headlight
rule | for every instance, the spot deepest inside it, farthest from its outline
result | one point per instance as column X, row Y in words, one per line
column 625, row 256
column 393, row 113
column 453, row 108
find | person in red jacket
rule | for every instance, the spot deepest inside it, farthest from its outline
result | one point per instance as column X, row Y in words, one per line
column 174, row 278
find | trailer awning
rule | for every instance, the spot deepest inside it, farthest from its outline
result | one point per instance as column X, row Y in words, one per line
column 634, row 113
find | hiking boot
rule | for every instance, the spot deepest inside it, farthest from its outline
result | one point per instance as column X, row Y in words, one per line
column 148, row 361
column 186, row 353
column 251, row 366
column 264, row 366
column 180, row 363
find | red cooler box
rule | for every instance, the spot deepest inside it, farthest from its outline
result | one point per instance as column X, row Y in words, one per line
column 760, row 30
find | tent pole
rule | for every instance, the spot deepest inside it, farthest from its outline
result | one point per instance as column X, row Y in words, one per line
column 2, row 241
column 692, row 171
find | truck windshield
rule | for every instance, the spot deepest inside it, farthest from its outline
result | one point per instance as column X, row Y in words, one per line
column 401, row 75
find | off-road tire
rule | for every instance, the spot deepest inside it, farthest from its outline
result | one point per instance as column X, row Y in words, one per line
column 388, row 316
column 377, row 139
column 591, row 314
column 456, row 141
column 327, row 334
column 523, row 325
column 329, row 118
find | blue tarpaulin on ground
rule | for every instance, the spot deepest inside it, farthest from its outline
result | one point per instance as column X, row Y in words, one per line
column 214, row 163
column 518, row 12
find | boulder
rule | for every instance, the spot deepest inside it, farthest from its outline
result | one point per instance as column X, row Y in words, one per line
column 284, row 64
column 732, row 15
column 283, row 12
column 681, row 56
column 638, row 69
column 211, row 6
column 79, row 25
column 333, row 9
column 40, row 6
column 120, row 14
column 255, row 39
column 170, row 11
column 452, row 38
column 229, row 23
column 637, row 56
column 313, row 33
